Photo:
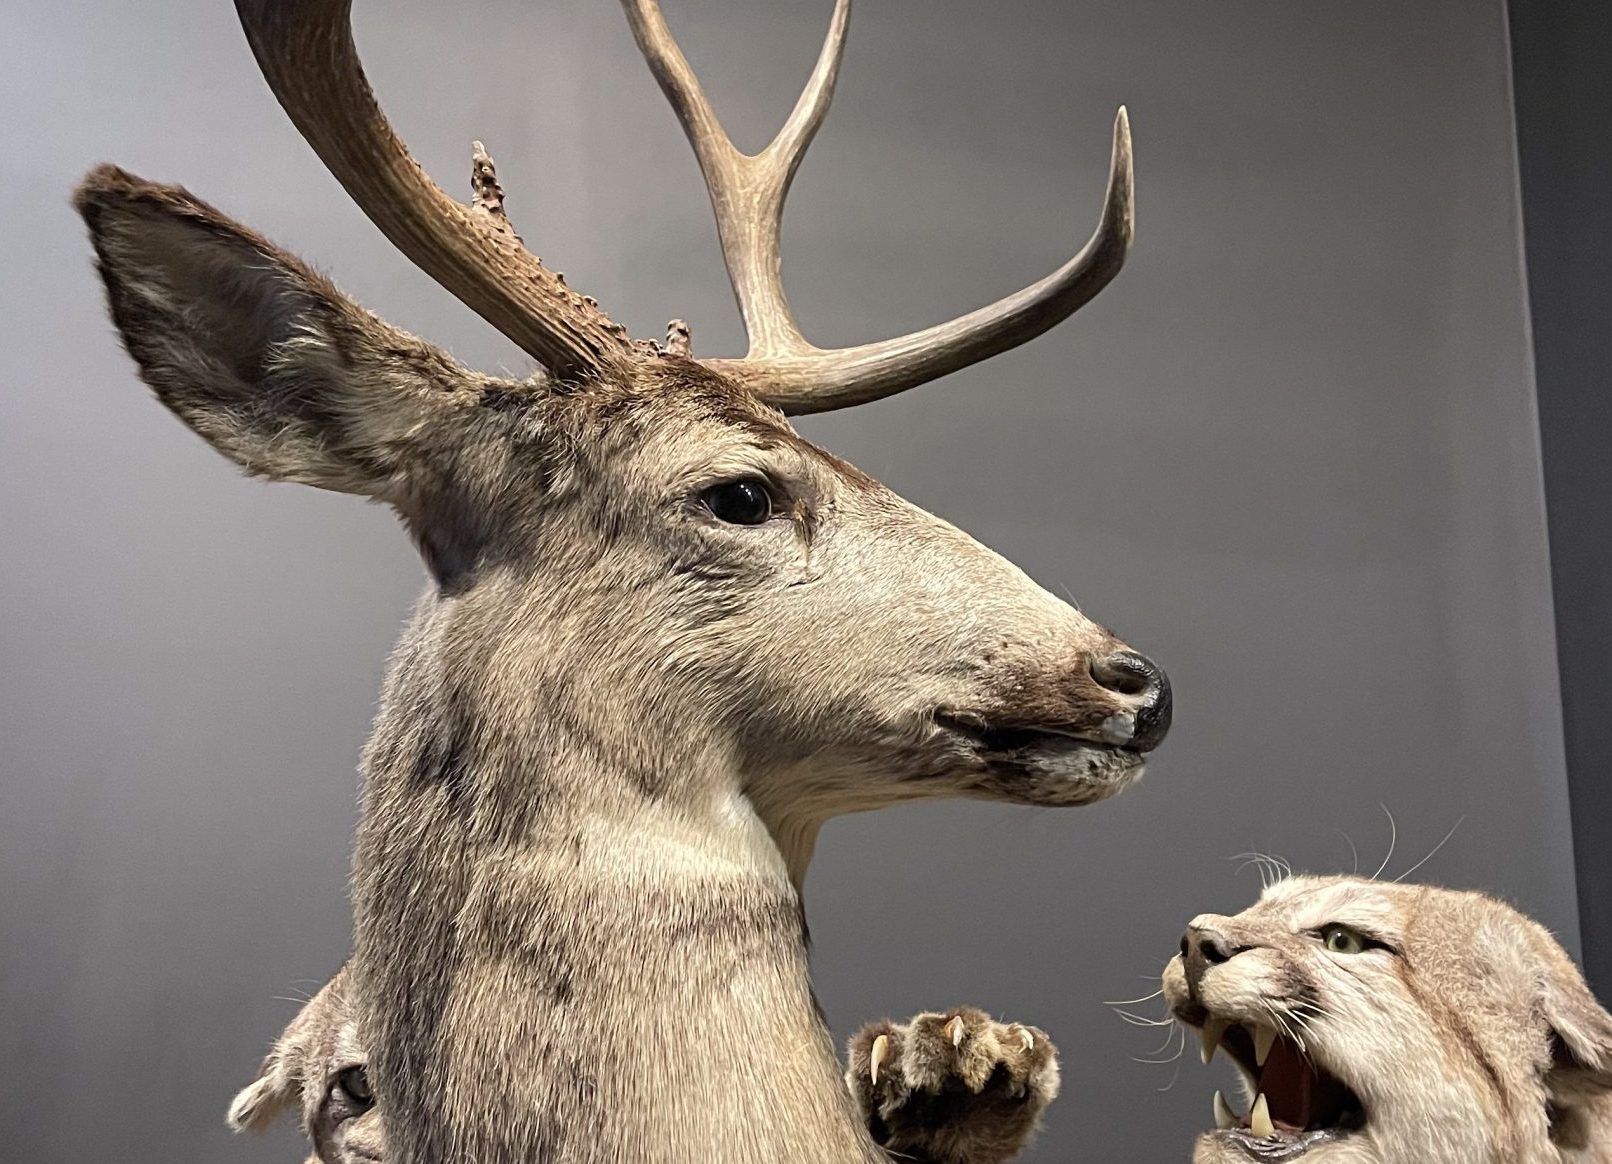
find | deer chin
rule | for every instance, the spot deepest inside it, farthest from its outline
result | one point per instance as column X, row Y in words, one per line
column 1043, row 766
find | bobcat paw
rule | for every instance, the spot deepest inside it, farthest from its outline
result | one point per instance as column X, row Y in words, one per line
column 952, row 1088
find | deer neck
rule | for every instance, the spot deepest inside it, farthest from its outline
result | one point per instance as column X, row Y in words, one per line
column 601, row 931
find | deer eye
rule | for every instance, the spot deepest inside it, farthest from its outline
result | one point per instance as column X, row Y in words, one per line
column 1343, row 940
column 739, row 502
column 354, row 1084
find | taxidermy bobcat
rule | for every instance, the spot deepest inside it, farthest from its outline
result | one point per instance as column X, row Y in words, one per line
column 952, row 1088
column 319, row 1066
column 1377, row 1023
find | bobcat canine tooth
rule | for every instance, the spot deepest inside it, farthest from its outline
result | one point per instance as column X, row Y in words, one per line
column 955, row 1030
column 1212, row 1030
column 1259, row 1120
column 1264, row 1040
column 880, row 1052
column 1224, row 1119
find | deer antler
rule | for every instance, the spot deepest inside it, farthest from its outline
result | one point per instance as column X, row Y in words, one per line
column 747, row 194
column 305, row 50
column 747, row 190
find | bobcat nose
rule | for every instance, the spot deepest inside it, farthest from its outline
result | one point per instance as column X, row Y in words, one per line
column 1201, row 948
column 1146, row 689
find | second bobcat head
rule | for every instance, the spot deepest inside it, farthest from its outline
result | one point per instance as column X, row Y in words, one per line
column 319, row 1065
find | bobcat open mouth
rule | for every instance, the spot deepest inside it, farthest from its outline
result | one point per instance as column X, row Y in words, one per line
column 1298, row 1105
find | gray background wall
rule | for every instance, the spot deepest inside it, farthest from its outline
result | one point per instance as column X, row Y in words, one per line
column 1292, row 453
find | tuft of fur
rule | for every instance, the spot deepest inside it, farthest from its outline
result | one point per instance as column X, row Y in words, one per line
column 1468, row 1034
column 317, row 1066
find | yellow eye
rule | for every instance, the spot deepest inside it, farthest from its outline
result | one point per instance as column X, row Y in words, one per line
column 1342, row 940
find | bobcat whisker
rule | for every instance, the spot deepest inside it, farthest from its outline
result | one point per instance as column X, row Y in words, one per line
column 1180, row 1050
column 1434, row 851
column 1354, row 853
column 1137, row 1020
column 1277, row 868
column 1288, row 1031
column 1393, row 839
column 1170, row 1037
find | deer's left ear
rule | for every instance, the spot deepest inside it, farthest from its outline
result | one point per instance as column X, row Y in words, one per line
column 1581, row 1030
column 262, row 357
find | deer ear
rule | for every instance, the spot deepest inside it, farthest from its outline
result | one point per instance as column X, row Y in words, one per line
column 1581, row 1031
column 258, row 354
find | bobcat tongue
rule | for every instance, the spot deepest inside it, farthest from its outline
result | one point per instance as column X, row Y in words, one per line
column 1289, row 1087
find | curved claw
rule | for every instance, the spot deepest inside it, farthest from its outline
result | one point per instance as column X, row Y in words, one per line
column 877, row 1055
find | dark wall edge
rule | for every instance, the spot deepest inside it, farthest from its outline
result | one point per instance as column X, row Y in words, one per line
column 1562, row 69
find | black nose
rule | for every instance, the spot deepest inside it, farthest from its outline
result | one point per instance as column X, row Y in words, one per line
column 1202, row 948
column 1146, row 687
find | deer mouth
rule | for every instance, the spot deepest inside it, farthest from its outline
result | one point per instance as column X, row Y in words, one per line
column 1298, row 1107
column 1052, row 765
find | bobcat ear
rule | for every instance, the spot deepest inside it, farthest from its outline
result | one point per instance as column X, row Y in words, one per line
column 261, row 1102
column 280, row 1079
column 258, row 354
column 1581, row 1031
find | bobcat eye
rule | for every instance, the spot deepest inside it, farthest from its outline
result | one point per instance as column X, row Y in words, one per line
column 1343, row 940
column 739, row 502
column 354, row 1084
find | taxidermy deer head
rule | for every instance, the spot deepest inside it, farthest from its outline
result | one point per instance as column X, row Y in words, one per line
column 665, row 637
column 703, row 554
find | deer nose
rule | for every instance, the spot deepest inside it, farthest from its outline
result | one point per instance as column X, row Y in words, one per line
column 1146, row 689
column 1201, row 948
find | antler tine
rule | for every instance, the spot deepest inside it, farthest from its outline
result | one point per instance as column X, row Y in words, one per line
column 747, row 193
column 747, row 190
column 305, row 50
column 790, row 146
column 817, row 380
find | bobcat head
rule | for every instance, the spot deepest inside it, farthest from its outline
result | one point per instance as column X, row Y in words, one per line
column 320, row 1065
column 1378, row 1023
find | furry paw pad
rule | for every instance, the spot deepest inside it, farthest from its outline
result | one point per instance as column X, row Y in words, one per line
column 954, row 1087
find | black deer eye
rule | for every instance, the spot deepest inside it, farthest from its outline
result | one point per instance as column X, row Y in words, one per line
column 354, row 1084
column 739, row 502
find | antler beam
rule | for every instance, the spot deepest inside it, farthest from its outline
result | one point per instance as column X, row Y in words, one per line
column 747, row 194
column 305, row 50
column 819, row 379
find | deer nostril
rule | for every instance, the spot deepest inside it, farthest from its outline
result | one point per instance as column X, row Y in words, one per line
column 1141, row 679
column 1126, row 673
